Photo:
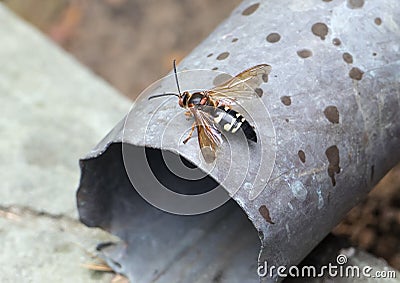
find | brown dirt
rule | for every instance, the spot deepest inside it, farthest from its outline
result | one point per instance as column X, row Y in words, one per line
column 130, row 43
column 374, row 225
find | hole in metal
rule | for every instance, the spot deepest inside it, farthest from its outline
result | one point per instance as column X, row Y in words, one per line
column 348, row 58
column 320, row 30
column 223, row 56
column 273, row 37
column 304, row 53
column 356, row 74
column 251, row 9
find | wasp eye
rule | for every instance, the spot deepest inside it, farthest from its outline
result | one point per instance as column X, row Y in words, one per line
column 185, row 97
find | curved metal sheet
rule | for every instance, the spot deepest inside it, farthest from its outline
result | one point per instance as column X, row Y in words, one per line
column 333, row 98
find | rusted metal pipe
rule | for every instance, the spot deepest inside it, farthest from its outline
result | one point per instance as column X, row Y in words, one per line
column 328, row 122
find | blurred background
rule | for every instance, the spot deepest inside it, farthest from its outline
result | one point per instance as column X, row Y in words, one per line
column 131, row 43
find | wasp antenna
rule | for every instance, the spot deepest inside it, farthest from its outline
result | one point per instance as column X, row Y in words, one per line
column 163, row 94
column 176, row 78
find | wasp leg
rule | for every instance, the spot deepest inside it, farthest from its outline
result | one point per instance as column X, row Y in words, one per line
column 188, row 114
column 190, row 134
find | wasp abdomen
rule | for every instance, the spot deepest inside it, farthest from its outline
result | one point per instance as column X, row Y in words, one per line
column 231, row 121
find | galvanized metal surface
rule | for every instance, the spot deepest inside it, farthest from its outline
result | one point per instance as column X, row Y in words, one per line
column 334, row 101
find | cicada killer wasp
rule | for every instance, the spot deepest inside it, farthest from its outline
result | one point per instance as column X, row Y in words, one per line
column 212, row 109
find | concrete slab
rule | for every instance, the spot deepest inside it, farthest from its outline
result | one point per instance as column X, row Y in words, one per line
column 37, row 247
column 53, row 111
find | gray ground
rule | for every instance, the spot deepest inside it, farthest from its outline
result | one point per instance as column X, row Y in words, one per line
column 49, row 118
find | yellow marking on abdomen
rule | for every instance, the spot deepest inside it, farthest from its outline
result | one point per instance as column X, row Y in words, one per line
column 219, row 118
column 228, row 127
column 234, row 130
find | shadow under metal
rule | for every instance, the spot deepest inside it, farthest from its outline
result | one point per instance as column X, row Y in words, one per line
column 218, row 246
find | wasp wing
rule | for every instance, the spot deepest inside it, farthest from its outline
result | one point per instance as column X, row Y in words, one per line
column 243, row 85
column 209, row 136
